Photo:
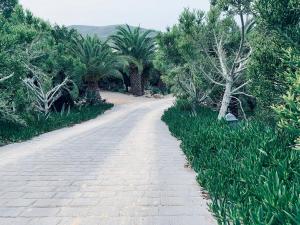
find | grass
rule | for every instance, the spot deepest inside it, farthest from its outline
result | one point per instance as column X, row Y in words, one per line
column 250, row 172
column 10, row 133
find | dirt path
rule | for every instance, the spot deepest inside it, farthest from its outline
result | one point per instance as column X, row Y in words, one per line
column 123, row 168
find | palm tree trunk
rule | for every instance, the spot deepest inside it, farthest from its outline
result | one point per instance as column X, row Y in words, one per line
column 93, row 92
column 136, row 82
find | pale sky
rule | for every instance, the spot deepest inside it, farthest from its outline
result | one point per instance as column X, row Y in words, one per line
column 154, row 14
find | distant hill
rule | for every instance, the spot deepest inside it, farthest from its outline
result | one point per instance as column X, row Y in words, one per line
column 103, row 32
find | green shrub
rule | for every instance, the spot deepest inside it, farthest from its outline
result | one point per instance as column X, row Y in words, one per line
column 288, row 111
column 10, row 132
column 250, row 172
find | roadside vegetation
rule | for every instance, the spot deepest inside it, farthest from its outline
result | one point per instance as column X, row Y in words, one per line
column 242, row 58
column 250, row 172
column 15, row 133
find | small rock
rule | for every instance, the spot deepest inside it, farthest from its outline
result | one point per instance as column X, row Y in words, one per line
column 157, row 96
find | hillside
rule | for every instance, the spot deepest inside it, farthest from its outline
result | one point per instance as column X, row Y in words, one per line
column 102, row 32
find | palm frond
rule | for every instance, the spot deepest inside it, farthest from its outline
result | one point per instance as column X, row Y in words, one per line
column 98, row 57
column 136, row 45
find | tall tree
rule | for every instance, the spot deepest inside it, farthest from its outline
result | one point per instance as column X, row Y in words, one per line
column 99, row 61
column 230, row 66
column 179, row 56
column 138, row 48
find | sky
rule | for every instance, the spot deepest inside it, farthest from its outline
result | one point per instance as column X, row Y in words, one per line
column 152, row 14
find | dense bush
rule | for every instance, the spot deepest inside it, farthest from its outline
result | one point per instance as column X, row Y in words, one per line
column 279, row 21
column 36, row 126
column 251, row 174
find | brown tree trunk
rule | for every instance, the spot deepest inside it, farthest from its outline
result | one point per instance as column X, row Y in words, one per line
column 93, row 92
column 136, row 82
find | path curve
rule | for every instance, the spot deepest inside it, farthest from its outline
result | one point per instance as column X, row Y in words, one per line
column 123, row 168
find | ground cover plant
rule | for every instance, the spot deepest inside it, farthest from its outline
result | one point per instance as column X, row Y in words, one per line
column 251, row 174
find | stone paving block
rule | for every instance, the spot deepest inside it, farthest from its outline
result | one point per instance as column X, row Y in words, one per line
column 10, row 212
column 47, row 203
column 46, row 221
column 19, row 202
column 137, row 211
column 12, row 195
column 104, row 211
column 39, row 195
column 84, row 202
column 73, row 212
column 40, row 212
column 146, row 201
column 68, row 195
column 15, row 221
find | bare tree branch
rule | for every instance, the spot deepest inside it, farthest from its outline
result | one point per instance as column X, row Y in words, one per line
column 243, row 93
column 43, row 100
column 221, row 56
column 210, row 59
column 239, row 52
column 209, row 77
column 6, row 78
column 241, row 86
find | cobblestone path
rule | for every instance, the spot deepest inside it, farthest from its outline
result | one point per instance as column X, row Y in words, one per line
column 123, row 168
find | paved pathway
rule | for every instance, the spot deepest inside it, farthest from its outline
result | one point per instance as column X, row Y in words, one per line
column 123, row 168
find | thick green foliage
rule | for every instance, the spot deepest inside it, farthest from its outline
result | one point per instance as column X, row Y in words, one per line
column 99, row 61
column 30, row 47
column 33, row 50
column 251, row 174
column 277, row 29
column 36, row 126
column 289, row 110
column 180, row 52
column 97, row 56
column 190, row 62
column 137, row 46
column 7, row 7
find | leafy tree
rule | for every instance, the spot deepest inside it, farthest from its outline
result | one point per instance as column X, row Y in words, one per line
column 230, row 65
column 99, row 61
column 23, row 35
column 42, row 91
column 179, row 55
column 7, row 112
column 138, row 49
column 278, row 21
column 13, row 34
column 64, row 64
column 234, row 7
column 7, row 7
column 207, row 57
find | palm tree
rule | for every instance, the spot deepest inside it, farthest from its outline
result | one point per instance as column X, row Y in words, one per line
column 99, row 61
column 138, row 48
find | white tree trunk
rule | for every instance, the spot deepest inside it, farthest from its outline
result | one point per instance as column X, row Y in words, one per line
column 226, row 99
